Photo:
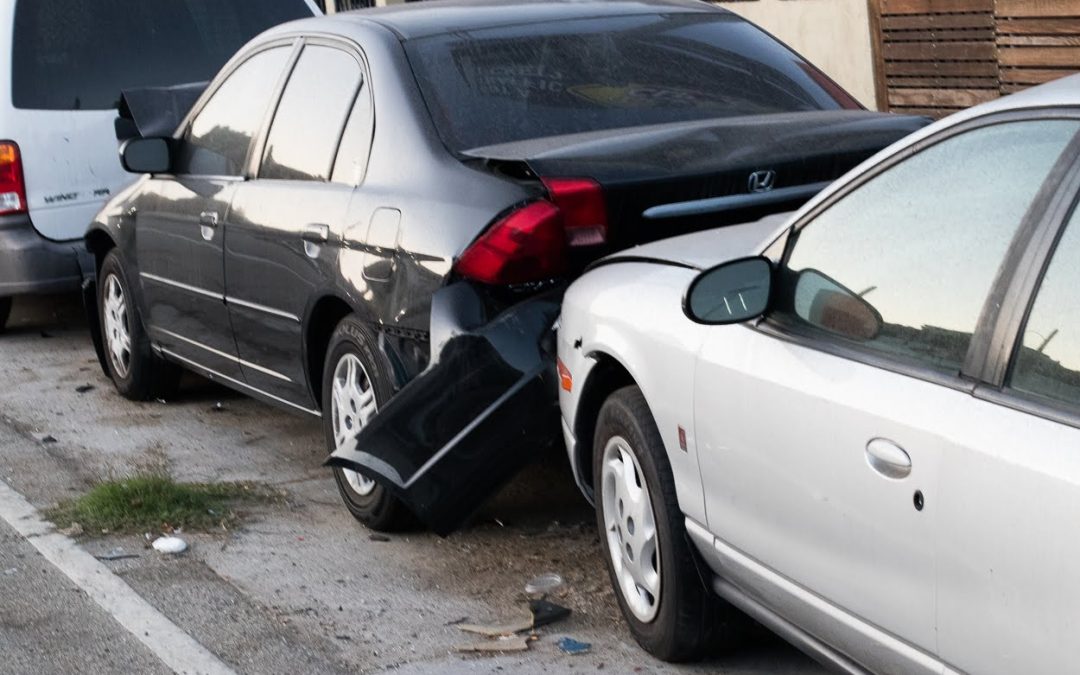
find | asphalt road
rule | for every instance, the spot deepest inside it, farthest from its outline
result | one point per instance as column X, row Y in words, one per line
column 299, row 586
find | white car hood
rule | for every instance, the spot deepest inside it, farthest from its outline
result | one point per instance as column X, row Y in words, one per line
column 709, row 248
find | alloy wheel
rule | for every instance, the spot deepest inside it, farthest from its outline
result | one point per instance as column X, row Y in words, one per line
column 352, row 405
column 117, row 333
column 630, row 527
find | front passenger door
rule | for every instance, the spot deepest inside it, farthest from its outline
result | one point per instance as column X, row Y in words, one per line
column 180, row 224
column 822, row 434
column 284, row 228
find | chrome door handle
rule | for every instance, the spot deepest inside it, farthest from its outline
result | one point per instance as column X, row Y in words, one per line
column 888, row 458
column 316, row 233
column 208, row 219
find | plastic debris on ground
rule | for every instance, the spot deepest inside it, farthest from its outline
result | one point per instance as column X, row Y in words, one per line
column 512, row 643
column 544, row 584
column 116, row 554
column 171, row 545
column 545, row 612
column 504, row 636
column 498, row 630
column 571, row 646
column 82, row 389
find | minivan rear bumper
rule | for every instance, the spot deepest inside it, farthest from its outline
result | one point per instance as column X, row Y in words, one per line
column 31, row 264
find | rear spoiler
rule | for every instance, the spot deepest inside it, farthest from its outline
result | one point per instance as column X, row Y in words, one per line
column 155, row 112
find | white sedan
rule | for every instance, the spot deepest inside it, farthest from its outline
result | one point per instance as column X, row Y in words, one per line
column 859, row 424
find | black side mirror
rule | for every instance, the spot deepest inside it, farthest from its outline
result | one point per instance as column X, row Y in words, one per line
column 736, row 291
column 825, row 303
column 146, row 155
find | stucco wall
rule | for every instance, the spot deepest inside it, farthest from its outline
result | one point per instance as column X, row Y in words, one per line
column 833, row 34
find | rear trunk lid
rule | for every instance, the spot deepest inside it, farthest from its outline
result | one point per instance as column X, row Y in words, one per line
column 672, row 179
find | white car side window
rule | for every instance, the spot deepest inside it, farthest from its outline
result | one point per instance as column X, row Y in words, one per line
column 903, row 264
column 1048, row 362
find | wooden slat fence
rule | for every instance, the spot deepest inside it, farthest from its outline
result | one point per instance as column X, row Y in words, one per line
column 935, row 57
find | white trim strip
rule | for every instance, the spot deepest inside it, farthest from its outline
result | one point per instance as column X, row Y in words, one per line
column 186, row 287
column 167, row 641
column 238, row 383
column 224, row 355
column 261, row 308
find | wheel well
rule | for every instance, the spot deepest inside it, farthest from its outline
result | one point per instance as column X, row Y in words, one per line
column 99, row 243
column 606, row 377
column 325, row 317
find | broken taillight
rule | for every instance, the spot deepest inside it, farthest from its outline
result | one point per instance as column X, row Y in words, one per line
column 527, row 245
column 530, row 244
column 581, row 201
column 12, row 185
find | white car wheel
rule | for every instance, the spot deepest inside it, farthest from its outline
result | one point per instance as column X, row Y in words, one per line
column 630, row 527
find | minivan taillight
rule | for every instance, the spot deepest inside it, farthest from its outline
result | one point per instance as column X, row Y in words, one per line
column 581, row 201
column 12, row 185
column 527, row 245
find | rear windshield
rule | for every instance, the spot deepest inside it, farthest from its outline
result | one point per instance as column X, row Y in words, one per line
column 79, row 55
column 512, row 83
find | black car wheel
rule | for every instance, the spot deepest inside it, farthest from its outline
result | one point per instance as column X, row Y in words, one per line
column 137, row 373
column 5, row 312
column 356, row 380
column 651, row 563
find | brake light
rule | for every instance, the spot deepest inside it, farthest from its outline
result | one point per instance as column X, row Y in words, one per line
column 527, row 245
column 581, row 201
column 12, row 185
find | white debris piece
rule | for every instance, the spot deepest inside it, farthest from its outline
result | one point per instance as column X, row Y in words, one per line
column 170, row 545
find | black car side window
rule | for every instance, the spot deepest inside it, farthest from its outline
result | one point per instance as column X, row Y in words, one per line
column 903, row 264
column 1047, row 362
column 309, row 120
column 217, row 142
column 352, row 157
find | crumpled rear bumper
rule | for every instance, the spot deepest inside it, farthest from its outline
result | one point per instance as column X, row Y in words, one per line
column 486, row 407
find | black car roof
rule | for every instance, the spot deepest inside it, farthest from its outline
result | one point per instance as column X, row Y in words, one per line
column 435, row 17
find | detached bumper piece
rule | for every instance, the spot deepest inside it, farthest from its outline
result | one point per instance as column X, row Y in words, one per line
column 454, row 435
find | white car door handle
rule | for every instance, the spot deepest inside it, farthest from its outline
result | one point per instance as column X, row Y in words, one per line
column 888, row 458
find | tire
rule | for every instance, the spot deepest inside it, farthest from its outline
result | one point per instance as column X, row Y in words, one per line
column 681, row 621
column 136, row 372
column 352, row 342
column 5, row 312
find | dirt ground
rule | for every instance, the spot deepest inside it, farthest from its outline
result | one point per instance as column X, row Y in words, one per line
column 300, row 586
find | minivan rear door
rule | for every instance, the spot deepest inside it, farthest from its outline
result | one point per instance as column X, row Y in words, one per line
column 69, row 61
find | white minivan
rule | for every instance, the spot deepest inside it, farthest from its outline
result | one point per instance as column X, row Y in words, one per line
column 60, row 83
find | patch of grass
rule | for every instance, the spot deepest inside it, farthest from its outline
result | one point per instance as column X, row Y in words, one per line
column 156, row 503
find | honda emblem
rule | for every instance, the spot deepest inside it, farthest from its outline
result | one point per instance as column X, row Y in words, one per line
column 761, row 181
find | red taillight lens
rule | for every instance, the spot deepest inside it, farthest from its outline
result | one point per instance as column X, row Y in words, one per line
column 581, row 201
column 527, row 245
column 12, row 186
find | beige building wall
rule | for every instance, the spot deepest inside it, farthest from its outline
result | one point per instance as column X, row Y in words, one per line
column 832, row 34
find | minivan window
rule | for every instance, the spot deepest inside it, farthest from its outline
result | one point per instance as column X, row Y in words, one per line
column 307, row 125
column 217, row 142
column 510, row 83
column 1048, row 360
column 79, row 55
column 903, row 265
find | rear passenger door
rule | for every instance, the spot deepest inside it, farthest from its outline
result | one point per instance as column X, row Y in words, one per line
column 1009, row 592
column 284, row 227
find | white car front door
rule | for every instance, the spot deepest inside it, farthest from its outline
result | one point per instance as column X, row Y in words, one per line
column 1009, row 595
column 818, row 431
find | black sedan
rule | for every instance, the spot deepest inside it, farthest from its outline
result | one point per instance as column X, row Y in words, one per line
column 359, row 200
